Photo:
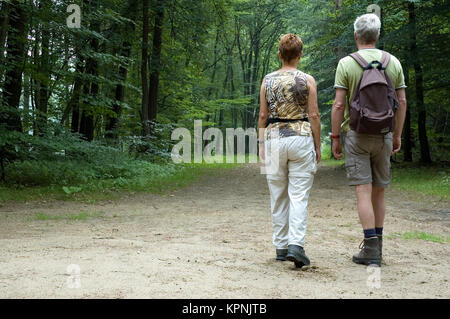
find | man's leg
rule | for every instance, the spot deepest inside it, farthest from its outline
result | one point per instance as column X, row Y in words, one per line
column 358, row 148
column 365, row 208
column 379, row 206
column 370, row 253
column 379, row 209
column 381, row 178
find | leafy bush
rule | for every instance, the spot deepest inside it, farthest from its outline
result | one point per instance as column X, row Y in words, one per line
column 59, row 157
column 155, row 147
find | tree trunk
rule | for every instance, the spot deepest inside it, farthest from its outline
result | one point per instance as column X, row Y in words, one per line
column 144, row 61
column 113, row 122
column 43, row 77
column 155, row 65
column 15, row 58
column 74, row 102
column 26, row 102
column 112, row 127
column 254, row 80
column 90, row 90
column 418, row 74
column 407, row 151
column 213, row 74
column 4, row 20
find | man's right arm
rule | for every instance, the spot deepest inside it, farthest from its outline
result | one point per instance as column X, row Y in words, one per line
column 337, row 115
column 338, row 108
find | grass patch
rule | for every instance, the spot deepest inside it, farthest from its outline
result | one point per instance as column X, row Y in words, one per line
column 140, row 176
column 332, row 162
column 80, row 216
column 326, row 157
column 427, row 180
column 423, row 236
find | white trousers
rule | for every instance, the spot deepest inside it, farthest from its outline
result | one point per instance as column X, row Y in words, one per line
column 289, row 185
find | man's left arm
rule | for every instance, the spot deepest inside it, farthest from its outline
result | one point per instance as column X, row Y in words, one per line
column 399, row 120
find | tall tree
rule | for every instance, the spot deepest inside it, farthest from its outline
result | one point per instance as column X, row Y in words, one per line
column 74, row 101
column 4, row 19
column 15, row 59
column 407, row 137
column 425, row 156
column 144, row 74
column 124, row 29
column 91, row 88
column 155, row 63
column 43, row 74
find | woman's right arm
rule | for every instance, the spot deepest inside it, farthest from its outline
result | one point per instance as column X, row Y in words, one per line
column 314, row 115
column 262, row 119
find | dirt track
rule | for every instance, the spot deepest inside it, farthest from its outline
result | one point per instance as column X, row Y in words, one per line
column 213, row 240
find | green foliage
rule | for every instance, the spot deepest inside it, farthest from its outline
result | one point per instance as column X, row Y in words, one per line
column 423, row 236
column 214, row 56
column 140, row 176
column 13, row 146
column 71, row 189
column 430, row 181
column 327, row 31
column 79, row 216
column 156, row 147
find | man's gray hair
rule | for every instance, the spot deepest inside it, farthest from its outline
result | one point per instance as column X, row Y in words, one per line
column 367, row 28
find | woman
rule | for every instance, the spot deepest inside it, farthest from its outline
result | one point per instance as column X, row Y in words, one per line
column 291, row 143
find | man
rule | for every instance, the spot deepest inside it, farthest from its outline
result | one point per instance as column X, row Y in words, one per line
column 367, row 156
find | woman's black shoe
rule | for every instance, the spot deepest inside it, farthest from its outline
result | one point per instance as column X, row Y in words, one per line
column 297, row 255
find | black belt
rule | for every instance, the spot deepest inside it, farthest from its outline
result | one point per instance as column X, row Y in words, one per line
column 276, row 120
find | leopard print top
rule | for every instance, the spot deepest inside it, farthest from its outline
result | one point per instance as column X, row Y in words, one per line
column 287, row 98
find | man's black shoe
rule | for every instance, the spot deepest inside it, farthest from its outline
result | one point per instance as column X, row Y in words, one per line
column 380, row 245
column 370, row 252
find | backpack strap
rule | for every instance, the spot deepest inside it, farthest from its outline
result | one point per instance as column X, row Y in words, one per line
column 385, row 58
column 358, row 58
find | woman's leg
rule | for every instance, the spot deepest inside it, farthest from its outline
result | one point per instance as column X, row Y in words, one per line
column 279, row 202
column 301, row 168
column 299, row 189
column 278, row 186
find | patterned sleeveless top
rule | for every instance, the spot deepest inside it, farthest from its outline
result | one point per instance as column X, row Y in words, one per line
column 287, row 98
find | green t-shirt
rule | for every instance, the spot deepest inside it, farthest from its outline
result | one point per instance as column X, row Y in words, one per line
column 349, row 72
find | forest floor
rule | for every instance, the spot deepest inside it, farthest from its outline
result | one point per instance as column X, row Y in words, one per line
column 212, row 239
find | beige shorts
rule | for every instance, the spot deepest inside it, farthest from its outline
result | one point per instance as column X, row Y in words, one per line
column 367, row 158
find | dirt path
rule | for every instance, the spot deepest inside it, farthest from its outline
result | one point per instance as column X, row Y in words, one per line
column 213, row 240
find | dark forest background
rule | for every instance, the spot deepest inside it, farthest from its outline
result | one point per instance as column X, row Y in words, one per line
column 99, row 102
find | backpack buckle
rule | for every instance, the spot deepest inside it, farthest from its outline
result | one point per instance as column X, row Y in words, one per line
column 370, row 65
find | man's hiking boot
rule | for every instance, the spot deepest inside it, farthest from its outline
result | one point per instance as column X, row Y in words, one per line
column 380, row 245
column 297, row 255
column 281, row 254
column 370, row 252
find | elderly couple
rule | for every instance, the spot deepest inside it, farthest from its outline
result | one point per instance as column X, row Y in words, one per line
column 289, row 118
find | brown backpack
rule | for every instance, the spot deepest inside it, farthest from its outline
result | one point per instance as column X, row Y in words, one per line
column 372, row 109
